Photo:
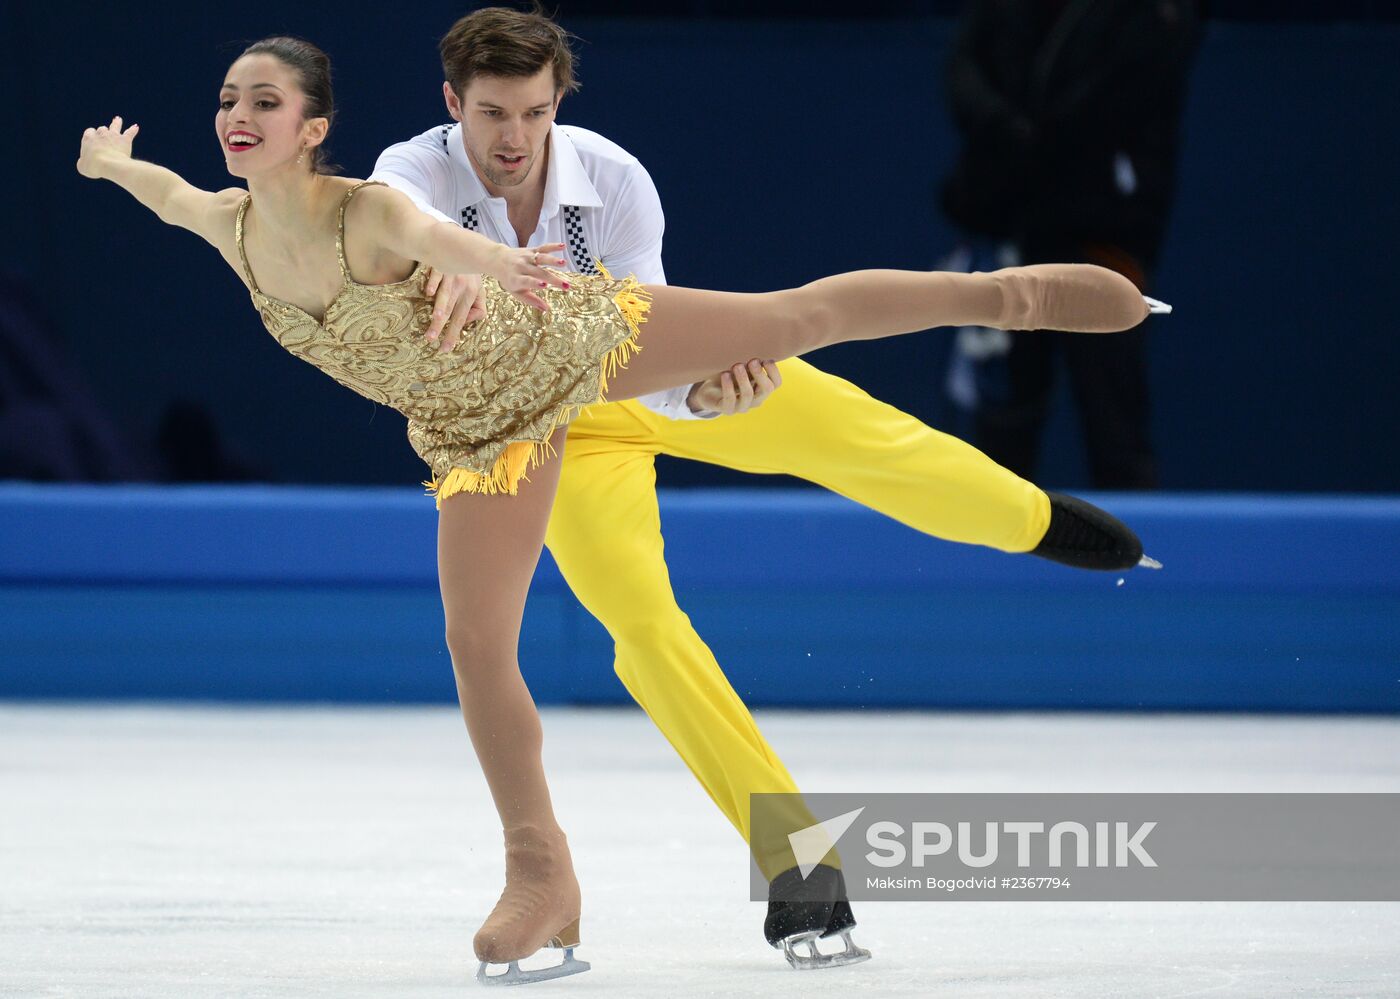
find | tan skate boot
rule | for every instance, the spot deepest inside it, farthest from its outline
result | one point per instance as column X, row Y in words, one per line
column 1081, row 297
column 539, row 907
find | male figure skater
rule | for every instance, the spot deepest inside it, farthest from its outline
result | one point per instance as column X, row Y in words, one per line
column 504, row 168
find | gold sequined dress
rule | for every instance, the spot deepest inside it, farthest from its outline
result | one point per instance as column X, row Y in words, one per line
column 481, row 414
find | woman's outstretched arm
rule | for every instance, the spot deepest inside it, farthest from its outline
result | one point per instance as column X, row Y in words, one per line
column 106, row 155
column 404, row 229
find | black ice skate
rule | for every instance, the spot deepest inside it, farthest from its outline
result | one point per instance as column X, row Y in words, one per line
column 802, row 911
column 1085, row 537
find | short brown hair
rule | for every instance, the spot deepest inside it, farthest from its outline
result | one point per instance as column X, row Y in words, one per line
column 500, row 41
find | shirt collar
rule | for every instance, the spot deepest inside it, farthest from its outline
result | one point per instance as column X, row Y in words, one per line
column 475, row 190
column 567, row 183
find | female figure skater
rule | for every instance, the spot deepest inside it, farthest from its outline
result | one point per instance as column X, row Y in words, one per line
column 336, row 270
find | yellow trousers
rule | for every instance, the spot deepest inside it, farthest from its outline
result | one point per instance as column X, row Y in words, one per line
column 605, row 535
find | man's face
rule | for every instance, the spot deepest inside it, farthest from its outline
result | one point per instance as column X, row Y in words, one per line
column 505, row 123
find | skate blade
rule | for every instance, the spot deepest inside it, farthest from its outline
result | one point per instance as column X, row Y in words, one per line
column 815, row 960
column 1155, row 307
column 1148, row 562
column 513, row 975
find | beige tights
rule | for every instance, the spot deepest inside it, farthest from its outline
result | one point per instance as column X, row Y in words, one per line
column 488, row 547
column 691, row 334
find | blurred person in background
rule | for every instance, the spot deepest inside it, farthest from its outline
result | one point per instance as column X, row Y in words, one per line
column 1069, row 112
column 53, row 427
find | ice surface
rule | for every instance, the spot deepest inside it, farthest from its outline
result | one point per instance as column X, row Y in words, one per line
column 192, row 852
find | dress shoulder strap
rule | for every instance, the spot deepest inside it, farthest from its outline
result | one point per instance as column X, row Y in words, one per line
column 340, row 225
column 238, row 238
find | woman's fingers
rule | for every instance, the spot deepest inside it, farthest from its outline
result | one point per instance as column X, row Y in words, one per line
column 535, row 270
column 104, row 142
column 532, row 270
column 536, row 285
column 532, row 299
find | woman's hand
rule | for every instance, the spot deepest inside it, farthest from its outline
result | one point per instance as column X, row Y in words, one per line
column 103, row 145
column 524, row 272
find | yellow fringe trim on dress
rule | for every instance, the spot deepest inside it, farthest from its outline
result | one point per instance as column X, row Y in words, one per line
column 633, row 303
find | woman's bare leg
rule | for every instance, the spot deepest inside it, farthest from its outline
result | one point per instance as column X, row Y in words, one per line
column 488, row 547
column 691, row 334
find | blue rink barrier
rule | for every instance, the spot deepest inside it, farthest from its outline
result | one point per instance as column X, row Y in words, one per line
column 291, row 594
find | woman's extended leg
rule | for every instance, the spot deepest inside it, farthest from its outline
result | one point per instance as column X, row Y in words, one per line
column 488, row 547
column 691, row 334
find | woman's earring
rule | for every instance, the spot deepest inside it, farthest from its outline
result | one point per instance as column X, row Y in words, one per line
column 301, row 155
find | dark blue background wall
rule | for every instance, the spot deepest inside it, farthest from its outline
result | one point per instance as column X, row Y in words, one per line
column 783, row 150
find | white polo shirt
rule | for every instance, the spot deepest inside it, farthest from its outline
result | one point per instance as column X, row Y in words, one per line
column 598, row 200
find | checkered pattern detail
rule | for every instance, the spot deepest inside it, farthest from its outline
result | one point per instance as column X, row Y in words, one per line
column 471, row 219
column 443, row 135
column 577, row 241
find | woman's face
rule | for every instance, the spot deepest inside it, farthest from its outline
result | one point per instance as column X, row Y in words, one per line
column 259, row 122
